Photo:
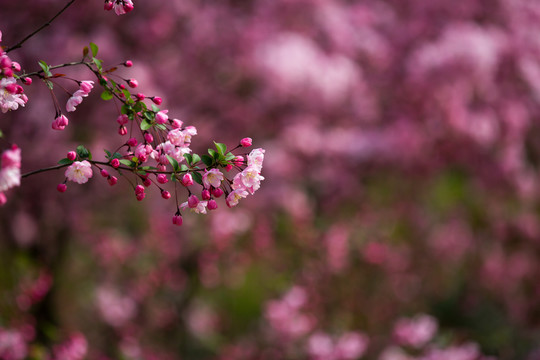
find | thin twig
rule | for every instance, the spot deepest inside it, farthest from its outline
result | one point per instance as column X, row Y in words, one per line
column 43, row 170
column 19, row 44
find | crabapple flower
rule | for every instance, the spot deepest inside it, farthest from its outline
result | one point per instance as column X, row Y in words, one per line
column 10, row 174
column 249, row 179
column 77, row 97
column 161, row 117
column 199, row 208
column 256, row 158
column 79, row 172
column 212, row 177
column 60, row 122
column 10, row 100
column 122, row 7
column 235, row 196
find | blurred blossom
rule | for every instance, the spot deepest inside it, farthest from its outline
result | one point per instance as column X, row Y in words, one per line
column 415, row 332
column 12, row 345
column 115, row 309
column 74, row 348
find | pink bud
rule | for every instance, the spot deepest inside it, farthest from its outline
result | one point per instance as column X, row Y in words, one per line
column 122, row 130
column 11, row 88
column 27, row 81
column 121, row 86
column 5, row 62
column 148, row 137
column 104, row 173
column 161, row 167
column 62, row 120
column 239, row 160
column 72, row 155
column 140, row 96
column 132, row 142
column 8, row 72
column 165, row 194
column 193, row 201
column 140, row 196
column 187, row 180
column 133, row 83
column 122, row 119
column 217, row 192
column 16, row 66
column 115, row 163
column 177, row 124
column 228, row 167
column 61, row 188
column 212, row 205
column 161, row 117
column 128, row 63
column 205, row 195
column 157, row 100
column 3, row 198
column 177, row 220
column 246, row 142
column 55, row 126
column 147, row 182
column 162, row 179
column 112, row 180
column 128, row 7
column 108, row 5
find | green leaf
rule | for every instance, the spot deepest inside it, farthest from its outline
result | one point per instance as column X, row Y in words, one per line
column 106, row 95
column 174, row 163
column 195, row 159
column 117, row 156
column 213, row 153
column 197, row 177
column 221, row 148
column 83, row 152
column 64, row 161
column 126, row 109
column 145, row 125
column 188, row 158
column 149, row 115
column 183, row 168
column 108, row 153
column 49, row 84
column 94, row 48
column 127, row 162
column 207, row 160
column 139, row 106
column 98, row 64
column 44, row 67
column 229, row 156
column 155, row 108
column 161, row 127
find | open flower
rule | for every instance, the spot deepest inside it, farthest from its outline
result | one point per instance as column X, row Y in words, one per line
column 79, row 172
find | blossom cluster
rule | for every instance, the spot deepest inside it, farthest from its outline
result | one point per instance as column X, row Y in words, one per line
column 11, row 94
column 10, row 171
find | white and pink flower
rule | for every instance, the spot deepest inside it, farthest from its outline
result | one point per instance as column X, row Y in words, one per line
column 79, row 172
column 212, row 177
column 10, row 97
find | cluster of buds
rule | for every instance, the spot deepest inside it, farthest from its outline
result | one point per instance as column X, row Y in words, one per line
column 120, row 7
column 11, row 94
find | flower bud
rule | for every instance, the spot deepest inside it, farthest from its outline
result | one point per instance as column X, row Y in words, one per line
column 212, row 205
column 27, row 81
column 112, row 180
column 140, row 196
column 177, row 124
column 61, row 188
column 246, row 142
column 193, row 201
column 108, row 5
column 72, row 155
column 165, row 194
column 122, row 119
column 177, row 220
column 147, row 182
column 161, row 117
column 122, row 130
column 148, row 137
column 128, row 63
column 104, row 173
column 132, row 142
column 132, row 83
column 187, row 180
column 228, row 167
column 115, row 163
column 157, row 100
column 217, row 192
column 140, row 96
column 139, row 189
column 205, row 195
column 162, row 179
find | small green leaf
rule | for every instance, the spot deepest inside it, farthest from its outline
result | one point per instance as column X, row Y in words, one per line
column 98, row 64
column 221, row 148
column 108, row 153
column 117, row 156
column 83, row 152
column 212, row 153
column 207, row 160
column 155, row 108
column 64, row 161
column 174, row 163
column 183, row 168
column 197, row 177
column 126, row 109
column 49, row 84
column 161, row 127
column 195, row 159
column 44, row 67
column 188, row 158
column 229, row 156
column 149, row 115
column 127, row 162
column 139, row 106
column 145, row 125
column 106, row 95
column 94, row 48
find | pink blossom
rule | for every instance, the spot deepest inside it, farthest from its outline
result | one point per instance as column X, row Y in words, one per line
column 177, row 220
column 235, row 196
column 72, row 102
column 165, row 194
column 212, row 177
column 133, row 83
column 256, row 158
column 415, row 332
column 161, row 117
column 114, row 307
column 79, row 172
column 86, row 86
column 74, row 348
column 351, row 345
column 187, row 179
column 246, row 142
column 12, row 345
column 162, row 178
column 157, row 100
column 9, row 178
column 196, row 207
column 122, row 119
column 11, row 157
column 212, row 204
column 8, row 100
